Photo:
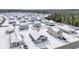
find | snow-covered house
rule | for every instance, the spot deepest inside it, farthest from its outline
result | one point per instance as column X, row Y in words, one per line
column 37, row 37
column 15, row 40
column 37, row 24
column 54, row 31
column 66, row 29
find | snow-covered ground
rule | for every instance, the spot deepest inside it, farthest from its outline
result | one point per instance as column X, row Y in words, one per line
column 6, row 39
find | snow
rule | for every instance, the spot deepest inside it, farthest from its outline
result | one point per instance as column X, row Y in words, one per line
column 77, row 31
column 15, row 38
column 4, row 39
column 27, row 39
column 10, row 28
column 56, row 29
column 35, row 34
column 66, row 27
column 52, row 42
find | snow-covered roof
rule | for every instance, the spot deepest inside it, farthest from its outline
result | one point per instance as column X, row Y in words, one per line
column 9, row 28
column 15, row 38
column 77, row 31
column 56, row 29
column 35, row 34
column 67, row 28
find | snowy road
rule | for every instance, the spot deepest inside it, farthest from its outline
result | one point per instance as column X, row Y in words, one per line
column 4, row 39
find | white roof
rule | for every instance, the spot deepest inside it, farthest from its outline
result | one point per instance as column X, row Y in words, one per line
column 15, row 39
column 37, row 22
column 35, row 34
column 23, row 23
column 9, row 28
column 77, row 31
column 54, row 28
column 51, row 21
column 67, row 28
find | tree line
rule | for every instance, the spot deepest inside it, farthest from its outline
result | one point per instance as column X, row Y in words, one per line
column 67, row 18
